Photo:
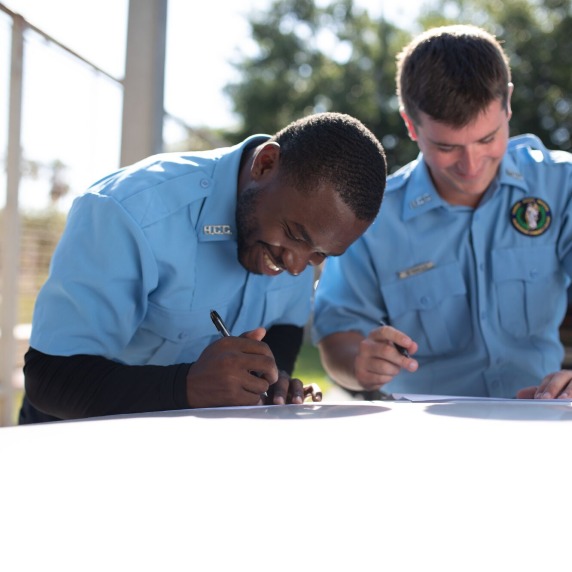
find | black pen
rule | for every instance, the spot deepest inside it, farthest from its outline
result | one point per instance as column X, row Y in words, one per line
column 399, row 348
column 220, row 325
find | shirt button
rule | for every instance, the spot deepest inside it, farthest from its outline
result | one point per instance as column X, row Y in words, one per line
column 183, row 335
column 205, row 183
column 533, row 273
column 424, row 300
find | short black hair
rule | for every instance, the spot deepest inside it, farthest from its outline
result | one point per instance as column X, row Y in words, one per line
column 337, row 149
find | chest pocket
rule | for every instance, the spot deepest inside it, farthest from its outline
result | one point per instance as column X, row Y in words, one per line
column 432, row 308
column 167, row 336
column 526, row 281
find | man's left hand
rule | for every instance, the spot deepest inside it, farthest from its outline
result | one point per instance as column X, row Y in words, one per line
column 291, row 390
column 554, row 386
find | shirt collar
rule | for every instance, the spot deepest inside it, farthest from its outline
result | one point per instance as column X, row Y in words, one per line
column 420, row 195
column 217, row 220
column 511, row 175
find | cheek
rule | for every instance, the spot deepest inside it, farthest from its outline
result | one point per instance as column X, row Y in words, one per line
column 499, row 151
column 440, row 161
column 271, row 235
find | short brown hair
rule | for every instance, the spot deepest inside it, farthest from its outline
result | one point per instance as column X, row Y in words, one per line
column 452, row 73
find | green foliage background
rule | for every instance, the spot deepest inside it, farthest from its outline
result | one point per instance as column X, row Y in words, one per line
column 309, row 57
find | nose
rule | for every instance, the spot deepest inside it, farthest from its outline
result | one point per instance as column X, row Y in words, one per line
column 296, row 262
column 470, row 161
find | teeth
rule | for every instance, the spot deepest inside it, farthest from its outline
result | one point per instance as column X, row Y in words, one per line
column 270, row 264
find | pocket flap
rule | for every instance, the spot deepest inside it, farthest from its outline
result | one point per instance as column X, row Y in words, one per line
column 527, row 264
column 175, row 325
column 424, row 291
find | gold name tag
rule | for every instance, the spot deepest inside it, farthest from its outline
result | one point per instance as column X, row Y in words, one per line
column 415, row 270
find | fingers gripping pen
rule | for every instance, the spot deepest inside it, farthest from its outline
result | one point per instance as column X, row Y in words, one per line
column 221, row 327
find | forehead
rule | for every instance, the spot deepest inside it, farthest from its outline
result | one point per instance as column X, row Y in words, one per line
column 327, row 223
column 484, row 124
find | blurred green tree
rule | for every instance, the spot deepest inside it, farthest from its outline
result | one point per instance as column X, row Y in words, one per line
column 309, row 58
column 537, row 36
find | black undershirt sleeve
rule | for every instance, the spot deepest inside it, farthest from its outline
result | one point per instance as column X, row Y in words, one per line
column 79, row 386
column 73, row 387
column 285, row 343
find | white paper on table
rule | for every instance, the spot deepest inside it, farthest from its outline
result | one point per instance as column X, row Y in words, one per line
column 423, row 398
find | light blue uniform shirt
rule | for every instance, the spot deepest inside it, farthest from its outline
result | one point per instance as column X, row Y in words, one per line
column 146, row 254
column 483, row 299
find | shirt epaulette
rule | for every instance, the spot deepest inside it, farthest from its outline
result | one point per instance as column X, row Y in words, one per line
column 537, row 151
column 401, row 176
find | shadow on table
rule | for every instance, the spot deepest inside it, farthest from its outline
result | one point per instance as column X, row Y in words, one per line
column 517, row 410
column 303, row 411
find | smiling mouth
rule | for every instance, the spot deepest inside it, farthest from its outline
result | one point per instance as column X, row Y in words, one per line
column 270, row 264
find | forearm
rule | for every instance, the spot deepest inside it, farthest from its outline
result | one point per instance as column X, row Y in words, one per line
column 74, row 387
column 338, row 353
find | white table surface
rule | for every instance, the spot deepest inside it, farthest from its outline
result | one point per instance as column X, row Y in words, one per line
column 335, row 486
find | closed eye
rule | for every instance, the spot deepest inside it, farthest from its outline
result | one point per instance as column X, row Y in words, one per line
column 292, row 236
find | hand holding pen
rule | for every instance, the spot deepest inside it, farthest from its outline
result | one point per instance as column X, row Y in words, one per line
column 222, row 374
column 225, row 332
column 402, row 350
column 378, row 359
column 286, row 389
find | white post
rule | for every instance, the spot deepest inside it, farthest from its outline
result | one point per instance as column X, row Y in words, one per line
column 143, row 86
column 11, row 227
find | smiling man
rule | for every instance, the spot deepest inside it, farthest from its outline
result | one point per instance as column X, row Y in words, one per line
column 473, row 279
column 122, row 323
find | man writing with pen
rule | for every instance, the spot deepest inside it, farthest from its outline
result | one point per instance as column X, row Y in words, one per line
column 122, row 324
column 470, row 257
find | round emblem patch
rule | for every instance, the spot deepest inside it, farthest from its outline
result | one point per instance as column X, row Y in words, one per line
column 531, row 216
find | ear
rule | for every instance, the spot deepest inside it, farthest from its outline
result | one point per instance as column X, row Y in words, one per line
column 266, row 159
column 409, row 124
column 508, row 107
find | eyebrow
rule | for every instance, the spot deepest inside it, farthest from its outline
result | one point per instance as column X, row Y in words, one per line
column 301, row 229
column 493, row 132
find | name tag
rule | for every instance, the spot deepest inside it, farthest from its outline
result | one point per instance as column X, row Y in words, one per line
column 217, row 229
column 418, row 269
column 420, row 201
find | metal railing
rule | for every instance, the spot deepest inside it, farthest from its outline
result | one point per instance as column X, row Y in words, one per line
column 13, row 334
column 27, row 237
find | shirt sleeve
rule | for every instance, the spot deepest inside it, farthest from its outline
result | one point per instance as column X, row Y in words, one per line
column 78, row 386
column 100, row 278
column 348, row 295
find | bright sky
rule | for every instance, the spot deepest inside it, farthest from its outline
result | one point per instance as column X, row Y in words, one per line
column 202, row 37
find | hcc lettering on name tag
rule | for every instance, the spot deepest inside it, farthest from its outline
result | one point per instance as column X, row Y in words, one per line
column 217, row 229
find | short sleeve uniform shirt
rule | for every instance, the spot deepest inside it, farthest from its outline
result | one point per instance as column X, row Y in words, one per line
column 146, row 254
column 482, row 291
